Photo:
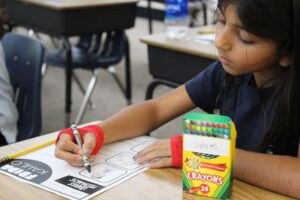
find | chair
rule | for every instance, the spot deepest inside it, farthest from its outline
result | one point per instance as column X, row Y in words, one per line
column 93, row 52
column 24, row 58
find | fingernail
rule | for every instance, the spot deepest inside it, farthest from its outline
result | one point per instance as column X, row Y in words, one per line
column 134, row 157
column 79, row 160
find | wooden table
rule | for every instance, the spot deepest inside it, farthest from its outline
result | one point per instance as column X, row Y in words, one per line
column 174, row 61
column 65, row 18
column 156, row 184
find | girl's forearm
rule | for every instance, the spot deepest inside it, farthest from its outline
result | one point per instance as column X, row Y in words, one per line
column 144, row 117
column 273, row 172
column 130, row 122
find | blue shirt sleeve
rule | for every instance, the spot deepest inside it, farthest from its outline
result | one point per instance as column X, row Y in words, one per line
column 204, row 88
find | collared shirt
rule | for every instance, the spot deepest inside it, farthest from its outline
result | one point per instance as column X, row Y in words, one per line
column 8, row 111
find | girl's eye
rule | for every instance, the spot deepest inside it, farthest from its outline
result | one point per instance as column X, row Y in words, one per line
column 221, row 21
column 245, row 39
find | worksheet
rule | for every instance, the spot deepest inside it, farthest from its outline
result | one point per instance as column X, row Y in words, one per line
column 113, row 165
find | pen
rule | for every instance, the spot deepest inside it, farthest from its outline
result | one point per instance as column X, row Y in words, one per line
column 79, row 142
column 25, row 151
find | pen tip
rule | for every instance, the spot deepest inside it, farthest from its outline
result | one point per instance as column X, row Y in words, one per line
column 89, row 169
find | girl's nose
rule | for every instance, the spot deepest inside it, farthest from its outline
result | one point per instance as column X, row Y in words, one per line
column 223, row 40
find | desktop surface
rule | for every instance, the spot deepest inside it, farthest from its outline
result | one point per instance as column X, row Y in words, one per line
column 156, row 184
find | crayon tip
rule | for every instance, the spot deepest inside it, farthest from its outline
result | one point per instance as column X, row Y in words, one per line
column 88, row 168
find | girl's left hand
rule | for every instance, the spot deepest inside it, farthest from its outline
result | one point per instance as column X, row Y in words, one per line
column 158, row 154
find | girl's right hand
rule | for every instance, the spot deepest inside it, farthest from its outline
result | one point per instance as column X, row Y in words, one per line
column 66, row 149
column 71, row 152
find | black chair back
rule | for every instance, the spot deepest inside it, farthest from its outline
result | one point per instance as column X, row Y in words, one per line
column 24, row 59
column 108, row 49
column 92, row 52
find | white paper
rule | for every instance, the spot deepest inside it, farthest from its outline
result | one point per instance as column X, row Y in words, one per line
column 113, row 165
column 208, row 145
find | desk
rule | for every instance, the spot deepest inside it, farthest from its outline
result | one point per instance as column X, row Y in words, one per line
column 67, row 18
column 156, row 184
column 173, row 62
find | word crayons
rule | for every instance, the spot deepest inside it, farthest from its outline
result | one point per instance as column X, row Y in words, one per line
column 208, row 152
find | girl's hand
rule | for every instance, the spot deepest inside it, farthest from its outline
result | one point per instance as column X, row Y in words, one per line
column 157, row 154
column 72, row 153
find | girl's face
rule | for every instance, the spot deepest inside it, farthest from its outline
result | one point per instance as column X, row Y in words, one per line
column 241, row 52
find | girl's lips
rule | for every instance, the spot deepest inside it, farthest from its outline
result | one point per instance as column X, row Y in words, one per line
column 224, row 60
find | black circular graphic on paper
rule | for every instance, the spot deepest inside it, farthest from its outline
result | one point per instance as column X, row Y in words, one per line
column 30, row 170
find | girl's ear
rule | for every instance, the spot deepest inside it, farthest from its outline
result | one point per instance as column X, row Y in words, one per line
column 285, row 61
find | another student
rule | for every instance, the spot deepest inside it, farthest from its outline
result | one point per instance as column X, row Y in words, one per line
column 255, row 82
column 8, row 111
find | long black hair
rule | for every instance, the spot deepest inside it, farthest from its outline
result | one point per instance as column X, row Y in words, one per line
column 276, row 20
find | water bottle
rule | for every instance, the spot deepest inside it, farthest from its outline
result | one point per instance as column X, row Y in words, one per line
column 176, row 18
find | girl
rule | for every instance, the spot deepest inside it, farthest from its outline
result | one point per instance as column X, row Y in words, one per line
column 254, row 82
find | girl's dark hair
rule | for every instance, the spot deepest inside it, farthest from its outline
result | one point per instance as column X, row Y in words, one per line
column 276, row 20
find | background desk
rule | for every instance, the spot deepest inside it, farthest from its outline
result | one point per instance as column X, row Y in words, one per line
column 155, row 184
column 67, row 18
column 173, row 62
column 72, row 17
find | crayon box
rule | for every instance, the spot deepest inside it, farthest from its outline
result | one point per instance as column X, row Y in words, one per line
column 208, row 153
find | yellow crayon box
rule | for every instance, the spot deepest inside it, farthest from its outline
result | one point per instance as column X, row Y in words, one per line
column 208, row 153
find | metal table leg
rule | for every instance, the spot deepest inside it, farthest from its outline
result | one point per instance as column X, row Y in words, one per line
column 149, row 11
column 68, row 74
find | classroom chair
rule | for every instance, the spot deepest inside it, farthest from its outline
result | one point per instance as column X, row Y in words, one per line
column 93, row 52
column 24, row 59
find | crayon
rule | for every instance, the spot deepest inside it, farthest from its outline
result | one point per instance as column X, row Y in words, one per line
column 79, row 142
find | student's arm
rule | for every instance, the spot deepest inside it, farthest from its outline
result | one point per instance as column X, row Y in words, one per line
column 273, row 172
column 144, row 117
column 277, row 173
column 130, row 122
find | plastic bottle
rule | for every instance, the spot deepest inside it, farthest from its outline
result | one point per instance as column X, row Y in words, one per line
column 176, row 18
